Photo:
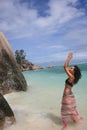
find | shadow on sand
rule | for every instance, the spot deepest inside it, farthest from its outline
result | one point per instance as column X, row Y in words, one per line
column 54, row 118
column 57, row 120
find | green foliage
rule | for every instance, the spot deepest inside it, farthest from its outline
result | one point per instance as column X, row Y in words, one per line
column 20, row 56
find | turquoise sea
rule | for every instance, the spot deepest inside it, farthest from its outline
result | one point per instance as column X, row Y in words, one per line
column 39, row 107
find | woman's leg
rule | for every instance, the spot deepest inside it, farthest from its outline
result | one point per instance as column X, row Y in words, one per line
column 64, row 124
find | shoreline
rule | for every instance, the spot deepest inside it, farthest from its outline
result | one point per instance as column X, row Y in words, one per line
column 39, row 107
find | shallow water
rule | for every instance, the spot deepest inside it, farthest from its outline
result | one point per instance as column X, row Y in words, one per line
column 39, row 107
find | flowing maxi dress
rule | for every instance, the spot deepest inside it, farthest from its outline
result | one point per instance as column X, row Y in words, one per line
column 68, row 108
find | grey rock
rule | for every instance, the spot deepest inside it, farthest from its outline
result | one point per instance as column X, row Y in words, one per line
column 11, row 77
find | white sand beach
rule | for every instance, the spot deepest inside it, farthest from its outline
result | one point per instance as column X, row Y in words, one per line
column 39, row 107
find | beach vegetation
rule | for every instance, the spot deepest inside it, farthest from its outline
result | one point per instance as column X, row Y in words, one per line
column 20, row 56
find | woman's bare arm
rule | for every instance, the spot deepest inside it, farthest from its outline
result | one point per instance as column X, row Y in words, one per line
column 66, row 65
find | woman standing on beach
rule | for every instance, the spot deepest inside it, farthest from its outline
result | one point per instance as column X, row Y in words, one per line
column 68, row 108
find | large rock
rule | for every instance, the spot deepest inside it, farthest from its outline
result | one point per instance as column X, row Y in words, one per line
column 11, row 77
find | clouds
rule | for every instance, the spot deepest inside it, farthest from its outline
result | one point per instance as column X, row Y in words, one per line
column 16, row 16
column 58, row 22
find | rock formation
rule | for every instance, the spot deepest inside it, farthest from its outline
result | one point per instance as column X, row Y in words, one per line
column 26, row 65
column 11, row 77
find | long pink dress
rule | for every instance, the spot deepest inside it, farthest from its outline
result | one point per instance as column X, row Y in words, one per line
column 68, row 108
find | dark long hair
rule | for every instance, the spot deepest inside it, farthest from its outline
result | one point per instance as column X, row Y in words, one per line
column 77, row 74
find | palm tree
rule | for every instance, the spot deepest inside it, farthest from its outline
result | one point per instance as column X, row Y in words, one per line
column 20, row 56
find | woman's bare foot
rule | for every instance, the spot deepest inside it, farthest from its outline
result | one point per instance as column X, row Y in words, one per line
column 80, row 120
column 77, row 120
column 63, row 128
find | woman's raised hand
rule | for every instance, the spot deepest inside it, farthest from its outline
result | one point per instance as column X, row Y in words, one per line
column 70, row 55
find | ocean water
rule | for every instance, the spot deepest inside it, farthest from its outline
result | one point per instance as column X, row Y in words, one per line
column 39, row 107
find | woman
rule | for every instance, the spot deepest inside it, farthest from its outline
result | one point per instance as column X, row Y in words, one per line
column 6, row 113
column 68, row 109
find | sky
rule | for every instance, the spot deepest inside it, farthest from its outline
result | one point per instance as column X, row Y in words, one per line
column 47, row 30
